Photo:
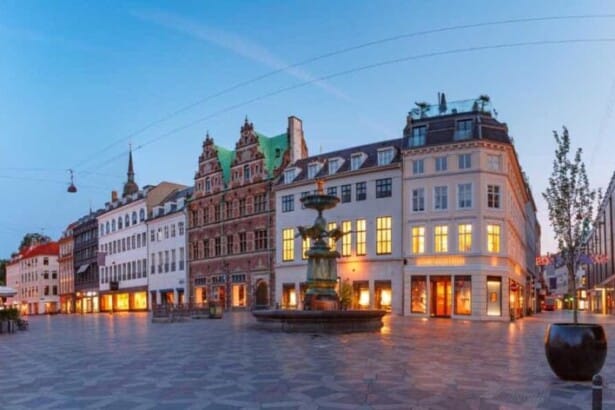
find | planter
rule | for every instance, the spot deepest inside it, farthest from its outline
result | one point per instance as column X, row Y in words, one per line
column 575, row 351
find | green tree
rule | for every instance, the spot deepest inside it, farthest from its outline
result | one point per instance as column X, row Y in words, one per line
column 571, row 205
column 3, row 263
column 30, row 238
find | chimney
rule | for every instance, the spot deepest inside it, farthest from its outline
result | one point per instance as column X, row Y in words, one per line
column 113, row 196
column 297, row 146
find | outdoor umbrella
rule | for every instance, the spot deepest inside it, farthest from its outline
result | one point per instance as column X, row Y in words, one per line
column 6, row 292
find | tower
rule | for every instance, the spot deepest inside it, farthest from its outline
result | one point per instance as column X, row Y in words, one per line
column 130, row 187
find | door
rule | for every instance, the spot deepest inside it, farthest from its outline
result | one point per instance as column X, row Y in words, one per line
column 441, row 291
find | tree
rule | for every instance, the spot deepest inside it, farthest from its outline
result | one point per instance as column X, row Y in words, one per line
column 571, row 205
column 31, row 238
column 3, row 263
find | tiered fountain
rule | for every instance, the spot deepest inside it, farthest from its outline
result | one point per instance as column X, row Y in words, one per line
column 322, row 311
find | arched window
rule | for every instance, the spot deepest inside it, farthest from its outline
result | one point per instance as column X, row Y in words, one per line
column 134, row 217
column 127, row 221
column 112, row 225
column 119, row 222
column 142, row 215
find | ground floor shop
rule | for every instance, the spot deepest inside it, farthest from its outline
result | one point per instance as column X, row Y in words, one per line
column 87, row 302
column 129, row 299
column 233, row 291
column 67, row 303
column 167, row 296
column 46, row 306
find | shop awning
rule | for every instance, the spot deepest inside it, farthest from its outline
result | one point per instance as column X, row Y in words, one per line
column 83, row 268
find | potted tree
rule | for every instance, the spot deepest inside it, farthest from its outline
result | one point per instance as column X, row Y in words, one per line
column 575, row 351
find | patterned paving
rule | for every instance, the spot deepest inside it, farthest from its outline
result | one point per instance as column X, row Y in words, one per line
column 124, row 361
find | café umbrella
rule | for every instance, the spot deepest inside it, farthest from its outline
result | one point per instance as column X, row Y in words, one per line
column 6, row 292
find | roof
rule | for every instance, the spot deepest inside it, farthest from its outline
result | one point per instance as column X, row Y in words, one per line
column 49, row 248
column 273, row 149
column 225, row 157
column 371, row 160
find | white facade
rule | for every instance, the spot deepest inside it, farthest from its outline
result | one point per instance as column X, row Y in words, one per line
column 167, row 252
column 376, row 277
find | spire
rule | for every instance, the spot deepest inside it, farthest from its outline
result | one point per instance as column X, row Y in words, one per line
column 130, row 187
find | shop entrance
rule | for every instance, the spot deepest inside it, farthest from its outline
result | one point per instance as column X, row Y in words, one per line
column 441, row 296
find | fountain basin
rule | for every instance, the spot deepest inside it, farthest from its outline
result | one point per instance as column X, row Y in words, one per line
column 320, row 321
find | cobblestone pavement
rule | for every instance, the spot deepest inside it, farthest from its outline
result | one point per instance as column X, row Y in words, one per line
column 124, row 361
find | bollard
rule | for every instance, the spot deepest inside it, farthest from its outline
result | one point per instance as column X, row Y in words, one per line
column 597, row 392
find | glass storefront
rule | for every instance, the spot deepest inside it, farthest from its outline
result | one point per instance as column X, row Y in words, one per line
column 122, row 301
column 200, row 295
column 383, row 294
column 441, row 296
column 360, row 294
column 140, row 300
column 289, row 296
column 463, row 295
column 494, row 296
column 239, row 295
column 418, row 294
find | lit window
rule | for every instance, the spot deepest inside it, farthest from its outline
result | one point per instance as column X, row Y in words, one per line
column 463, row 130
column 493, row 238
column 465, row 161
column 305, row 245
column 313, row 170
column 493, row 196
column 464, row 196
column 331, row 226
column 383, row 235
column 361, row 237
column 288, row 203
column 418, row 200
column 384, row 187
column 418, row 166
column 356, row 160
column 441, row 198
column 288, row 244
column 441, row 164
column 463, row 295
column 418, row 240
column 441, row 239
column 289, row 176
column 385, row 156
column 346, row 239
column 494, row 162
column 334, row 165
column 418, row 136
column 465, row 237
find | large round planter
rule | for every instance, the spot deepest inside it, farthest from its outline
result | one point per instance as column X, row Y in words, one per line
column 575, row 351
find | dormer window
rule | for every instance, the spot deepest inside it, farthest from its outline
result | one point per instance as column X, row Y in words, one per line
column 417, row 138
column 313, row 170
column 356, row 160
column 385, row 156
column 289, row 176
column 463, row 130
column 334, row 165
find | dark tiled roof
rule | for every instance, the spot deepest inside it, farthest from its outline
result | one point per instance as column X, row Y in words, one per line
column 370, row 150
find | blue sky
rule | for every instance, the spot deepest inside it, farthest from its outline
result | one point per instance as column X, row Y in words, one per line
column 79, row 80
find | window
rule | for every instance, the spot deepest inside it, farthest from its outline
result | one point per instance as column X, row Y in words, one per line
column 463, row 295
column 305, row 247
column 494, row 162
column 207, row 185
column 217, row 246
column 288, row 244
column 334, row 165
column 330, row 227
column 332, row 190
column 493, row 196
column 260, row 202
column 361, row 191
column 493, row 238
column 463, row 130
column 385, row 156
column 418, row 200
column 289, row 175
column 356, row 160
column 313, row 170
column 303, row 195
column 418, row 136
column 228, row 207
column 384, row 188
column 229, row 244
column 440, row 198
column 441, row 164
column 465, row 161
column 166, row 232
column 288, row 203
column 134, row 217
column 361, row 237
column 441, row 239
column 242, row 242
column 246, row 173
column 180, row 227
column 418, row 294
column 119, row 223
column 242, row 207
column 464, row 240
column 494, row 296
column 346, row 193
column 464, row 196
column 173, row 231
column 113, row 225
column 142, row 215
column 346, row 239
column 418, row 166
column 45, row 261
column 418, row 240
column 383, row 235
column 260, row 240
column 217, row 209
column 126, row 221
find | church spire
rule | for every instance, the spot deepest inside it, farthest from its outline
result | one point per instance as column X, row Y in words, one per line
column 130, row 187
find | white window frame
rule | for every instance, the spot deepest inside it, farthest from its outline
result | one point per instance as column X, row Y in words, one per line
column 437, row 198
column 459, row 196
column 356, row 160
column 418, row 166
column 464, row 161
column 385, row 156
column 441, row 163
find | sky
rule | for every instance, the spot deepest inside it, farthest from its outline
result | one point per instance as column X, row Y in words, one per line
column 80, row 81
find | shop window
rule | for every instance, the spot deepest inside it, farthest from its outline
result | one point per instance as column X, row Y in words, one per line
column 360, row 293
column 494, row 296
column 122, row 301
column 289, row 296
column 463, row 295
column 239, row 295
column 140, row 300
column 383, row 294
column 418, row 294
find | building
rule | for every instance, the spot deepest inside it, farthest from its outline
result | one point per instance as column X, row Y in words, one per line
column 123, row 274
column 368, row 181
column 167, row 248
column 470, row 231
column 231, row 216
column 33, row 272
column 86, row 279
column 601, row 276
column 66, row 271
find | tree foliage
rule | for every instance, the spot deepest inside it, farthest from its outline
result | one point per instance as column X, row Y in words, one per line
column 3, row 263
column 31, row 238
column 570, row 202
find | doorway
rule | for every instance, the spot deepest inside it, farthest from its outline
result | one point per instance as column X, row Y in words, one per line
column 441, row 299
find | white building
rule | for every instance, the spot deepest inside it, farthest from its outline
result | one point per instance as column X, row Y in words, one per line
column 34, row 274
column 167, row 249
column 367, row 179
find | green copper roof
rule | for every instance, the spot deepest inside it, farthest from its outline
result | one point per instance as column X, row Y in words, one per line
column 225, row 156
column 273, row 149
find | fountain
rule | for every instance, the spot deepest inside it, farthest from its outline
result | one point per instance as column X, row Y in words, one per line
column 322, row 311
